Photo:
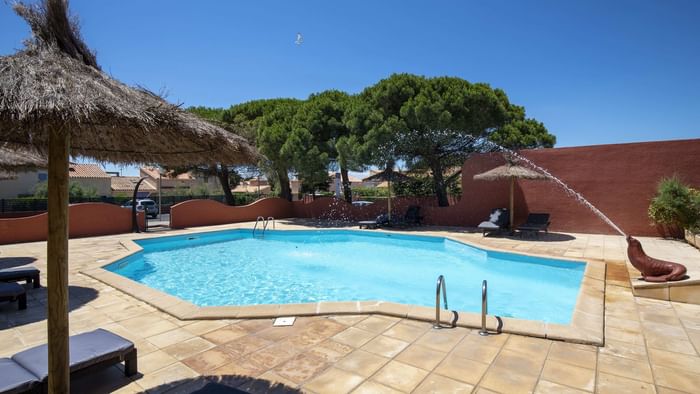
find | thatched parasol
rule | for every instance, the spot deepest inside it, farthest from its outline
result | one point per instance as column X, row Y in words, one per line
column 55, row 99
column 510, row 171
column 13, row 160
column 388, row 175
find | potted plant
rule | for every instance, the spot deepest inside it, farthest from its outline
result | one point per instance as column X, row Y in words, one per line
column 677, row 208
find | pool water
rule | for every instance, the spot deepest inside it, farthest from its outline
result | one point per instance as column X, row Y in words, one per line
column 234, row 268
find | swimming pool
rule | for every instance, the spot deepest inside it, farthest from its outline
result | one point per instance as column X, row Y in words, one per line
column 234, row 268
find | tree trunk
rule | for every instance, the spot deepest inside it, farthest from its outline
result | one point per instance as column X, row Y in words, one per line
column 57, row 262
column 439, row 184
column 347, row 191
column 223, row 174
column 285, row 189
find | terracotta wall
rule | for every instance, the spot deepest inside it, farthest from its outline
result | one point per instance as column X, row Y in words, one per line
column 86, row 219
column 619, row 179
column 208, row 212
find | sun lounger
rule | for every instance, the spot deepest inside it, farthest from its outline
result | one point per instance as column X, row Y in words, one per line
column 535, row 223
column 499, row 220
column 27, row 371
column 381, row 220
column 14, row 292
column 28, row 274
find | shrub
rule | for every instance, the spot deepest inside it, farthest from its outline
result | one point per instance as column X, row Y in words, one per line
column 676, row 204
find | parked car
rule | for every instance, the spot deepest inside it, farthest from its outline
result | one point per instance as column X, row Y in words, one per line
column 149, row 206
column 362, row 203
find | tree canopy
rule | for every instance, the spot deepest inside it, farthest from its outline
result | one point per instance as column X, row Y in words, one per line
column 436, row 123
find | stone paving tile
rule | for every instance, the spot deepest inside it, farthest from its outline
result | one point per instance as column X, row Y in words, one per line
column 385, row 346
column 421, row 357
column 546, row 387
column 400, row 376
column 651, row 345
column 567, row 374
column 334, row 380
column 362, row 362
column 440, row 384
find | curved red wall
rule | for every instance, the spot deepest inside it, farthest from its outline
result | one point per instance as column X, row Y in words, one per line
column 85, row 220
column 209, row 212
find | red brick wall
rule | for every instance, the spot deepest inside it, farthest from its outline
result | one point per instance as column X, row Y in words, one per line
column 619, row 179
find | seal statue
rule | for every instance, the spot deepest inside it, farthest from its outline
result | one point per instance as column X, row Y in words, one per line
column 653, row 270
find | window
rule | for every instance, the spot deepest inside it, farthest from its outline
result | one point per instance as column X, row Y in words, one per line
column 42, row 176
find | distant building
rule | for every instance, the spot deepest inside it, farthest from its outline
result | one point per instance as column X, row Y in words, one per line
column 91, row 176
column 88, row 176
column 124, row 186
column 170, row 183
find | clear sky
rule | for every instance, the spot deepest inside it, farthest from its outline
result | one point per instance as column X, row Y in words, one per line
column 594, row 72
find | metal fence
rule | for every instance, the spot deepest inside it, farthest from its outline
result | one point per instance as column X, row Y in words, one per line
column 31, row 204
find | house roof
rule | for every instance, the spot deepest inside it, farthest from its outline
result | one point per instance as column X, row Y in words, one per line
column 154, row 172
column 86, row 171
column 127, row 183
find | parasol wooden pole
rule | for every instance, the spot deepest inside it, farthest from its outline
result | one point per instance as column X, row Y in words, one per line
column 512, row 213
column 57, row 262
column 389, row 200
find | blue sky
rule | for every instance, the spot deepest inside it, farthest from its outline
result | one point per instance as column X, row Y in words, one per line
column 594, row 72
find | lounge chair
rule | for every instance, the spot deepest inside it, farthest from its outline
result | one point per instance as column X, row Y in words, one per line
column 381, row 220
column 535, row 223
column 27, row 371
column 14, row 292
column 28, row 274
column 499, row 220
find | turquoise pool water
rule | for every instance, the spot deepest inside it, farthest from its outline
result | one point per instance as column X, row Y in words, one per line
column 234, row 268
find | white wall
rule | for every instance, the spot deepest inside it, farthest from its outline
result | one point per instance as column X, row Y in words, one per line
column 24, row 184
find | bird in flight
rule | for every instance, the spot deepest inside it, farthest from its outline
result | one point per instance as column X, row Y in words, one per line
column 299, row 40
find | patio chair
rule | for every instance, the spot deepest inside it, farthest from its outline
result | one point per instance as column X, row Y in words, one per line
column 499, row 220
column 412, row 217
column 381, row 220
column 535, row 223
column 28, row 274
column 27, row 371
column 14, row 292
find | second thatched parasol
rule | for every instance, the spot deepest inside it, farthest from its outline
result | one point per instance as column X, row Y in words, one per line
column 388, row 175
column 15, row 160
column 510, row 171
column 55, row 99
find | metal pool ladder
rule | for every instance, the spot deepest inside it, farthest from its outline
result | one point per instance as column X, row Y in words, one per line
column 484, row 308
column 265, row 222
column 440, row 283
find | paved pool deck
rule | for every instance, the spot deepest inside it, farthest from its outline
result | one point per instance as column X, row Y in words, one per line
column 650, row 345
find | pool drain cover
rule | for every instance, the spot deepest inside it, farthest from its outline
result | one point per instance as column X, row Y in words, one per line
column 284, row 321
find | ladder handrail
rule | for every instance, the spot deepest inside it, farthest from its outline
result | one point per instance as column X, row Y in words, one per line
column 259, row 218
column 484, row 308
column 440, row 283
column 265, row 223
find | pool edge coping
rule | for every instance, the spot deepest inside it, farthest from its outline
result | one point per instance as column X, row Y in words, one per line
column 587, row 323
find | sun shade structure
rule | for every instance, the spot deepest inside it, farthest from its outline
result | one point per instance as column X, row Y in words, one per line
column 388, row 175
column 15, row 160
column 510, row 171
column 55, row 99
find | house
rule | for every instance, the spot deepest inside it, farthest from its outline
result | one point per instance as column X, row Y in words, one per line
column 124, row 186
column 91, row 176
column 169, row 182
column 88, row 176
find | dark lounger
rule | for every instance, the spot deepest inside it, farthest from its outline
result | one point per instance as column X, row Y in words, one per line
column 499, row 220
column 88, row 351
column 381, row 220
column 13, row 292
column 535, row 223
column 28, row 274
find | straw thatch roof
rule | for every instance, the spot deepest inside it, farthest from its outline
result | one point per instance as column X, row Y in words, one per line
column 12, row 160
column 388, row 175
column 508, row 171
column 55, row 85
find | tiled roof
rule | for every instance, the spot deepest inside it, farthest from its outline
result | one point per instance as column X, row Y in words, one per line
column 86, row 171
column 153, row 173
column 127, row 183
